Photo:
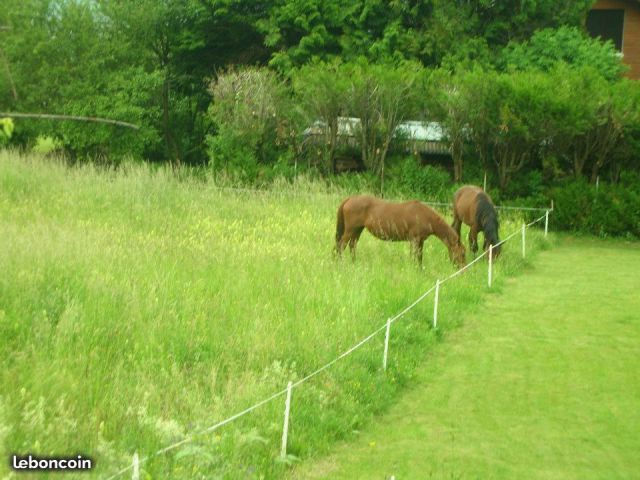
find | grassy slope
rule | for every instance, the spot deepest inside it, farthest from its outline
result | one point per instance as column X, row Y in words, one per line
column 544, row 382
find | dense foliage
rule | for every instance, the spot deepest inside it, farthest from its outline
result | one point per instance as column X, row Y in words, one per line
column 522, row 92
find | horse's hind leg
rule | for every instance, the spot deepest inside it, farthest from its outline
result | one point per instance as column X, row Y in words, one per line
column 341, row 243
column 353, row 241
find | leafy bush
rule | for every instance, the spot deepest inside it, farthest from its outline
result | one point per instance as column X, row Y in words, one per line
column 47, row 145
column 611, row 210
column 527, row 184
column 570, row 45
column 409, row 178
column 6, row 129
column 230, row 154
column 248, row 109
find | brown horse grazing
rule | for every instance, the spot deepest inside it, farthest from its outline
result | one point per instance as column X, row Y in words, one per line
column 409, row 221
column 474, row 207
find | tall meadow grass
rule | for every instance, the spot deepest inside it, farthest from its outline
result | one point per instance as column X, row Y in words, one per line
column 138, row 306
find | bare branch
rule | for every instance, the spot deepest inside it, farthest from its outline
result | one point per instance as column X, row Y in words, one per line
column 46, row 116
column 8, row 70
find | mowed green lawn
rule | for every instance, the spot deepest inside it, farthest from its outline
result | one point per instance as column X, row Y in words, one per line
column 542, row 382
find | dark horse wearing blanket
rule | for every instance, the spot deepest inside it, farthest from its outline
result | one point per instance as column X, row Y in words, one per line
column 474, row 207
column 408, row 221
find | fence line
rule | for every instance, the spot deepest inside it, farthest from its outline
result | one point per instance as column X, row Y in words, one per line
column 543, row 217
column 455, row 274
column 285, row 426
column 385, row 327
column 305, row 193
column 490, row 269
column 500, row 207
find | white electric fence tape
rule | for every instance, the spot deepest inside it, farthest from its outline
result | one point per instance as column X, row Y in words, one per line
column 135, row 466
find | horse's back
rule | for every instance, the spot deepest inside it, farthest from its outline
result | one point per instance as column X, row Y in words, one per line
column 466, row 194
column 464, row 203
column 388, row 220
column 359, row 203
column 356, row 208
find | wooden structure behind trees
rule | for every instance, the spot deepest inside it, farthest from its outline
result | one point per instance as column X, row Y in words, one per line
column 421, row 139
column 619, row 21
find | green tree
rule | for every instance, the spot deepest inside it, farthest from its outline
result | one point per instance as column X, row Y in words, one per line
column 321, row 90
column 620, row 113
column 451, row 103
column 248, row 105
column 145, row 62
column 590, row 117
column 515, row 20
column 507, row 115
column 184, row 43
column 480, row 97
column 301, row 30
column 549, row 47
column 381, row 96
column 67, row 65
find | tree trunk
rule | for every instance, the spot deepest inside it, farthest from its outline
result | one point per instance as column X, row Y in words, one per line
column 595, row 169
column 383, row 157
column 578, row 164
column 616, row 168
column 333, row 140
column 171, row 146
column 456, row 153
column 9, row 76
column 503, row 177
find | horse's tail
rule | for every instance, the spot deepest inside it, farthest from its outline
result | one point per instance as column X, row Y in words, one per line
column 340, row 223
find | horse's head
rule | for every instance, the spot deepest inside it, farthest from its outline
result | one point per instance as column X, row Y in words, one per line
column 457, row 254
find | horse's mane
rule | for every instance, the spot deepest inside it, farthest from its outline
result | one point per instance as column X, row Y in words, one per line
column 487, row 218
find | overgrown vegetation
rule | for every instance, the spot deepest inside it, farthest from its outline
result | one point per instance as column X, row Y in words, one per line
column 522, row 92
column 137, row 307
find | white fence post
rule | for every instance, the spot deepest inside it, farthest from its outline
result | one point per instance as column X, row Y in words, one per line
column 546, row 223
column 435, row 305
column 285, row 427
column 386, row 345
column 136, row 467
column 490, row 272
column 524, row 229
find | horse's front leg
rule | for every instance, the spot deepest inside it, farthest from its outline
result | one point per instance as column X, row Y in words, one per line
column 416, row 250
column 457, row 224
column 473, row 239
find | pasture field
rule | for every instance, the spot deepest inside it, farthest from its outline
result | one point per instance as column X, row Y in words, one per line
column 138, row 305
column 542, row 383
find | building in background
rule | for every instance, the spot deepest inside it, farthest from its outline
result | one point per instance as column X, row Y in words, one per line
column 618, row 21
